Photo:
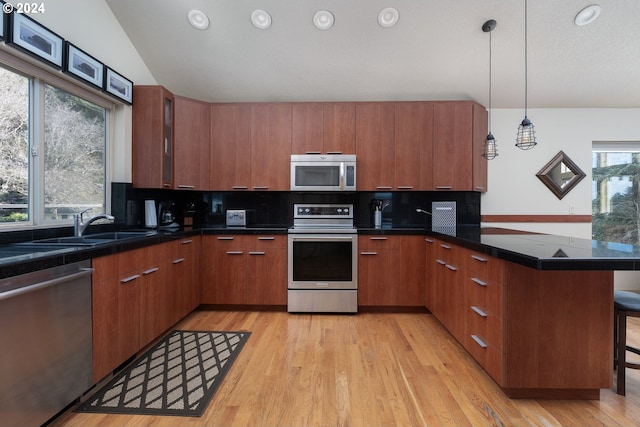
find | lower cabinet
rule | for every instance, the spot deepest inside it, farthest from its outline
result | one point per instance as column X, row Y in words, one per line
column 137, row 295
column 390, row 270
column 245, row 270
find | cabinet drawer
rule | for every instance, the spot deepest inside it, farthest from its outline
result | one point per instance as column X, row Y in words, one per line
column 490, row 358
column 378, row 242
column 485, row 267
column 267, row 241
column 486, row 326
column 484, row 294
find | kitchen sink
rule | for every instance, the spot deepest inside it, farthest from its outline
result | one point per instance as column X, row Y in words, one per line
column 90, row 239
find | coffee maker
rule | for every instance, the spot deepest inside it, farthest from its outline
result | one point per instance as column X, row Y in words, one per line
column 166, row 216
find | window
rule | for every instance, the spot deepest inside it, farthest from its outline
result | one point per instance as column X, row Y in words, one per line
column 616, row 192
column 52, row 155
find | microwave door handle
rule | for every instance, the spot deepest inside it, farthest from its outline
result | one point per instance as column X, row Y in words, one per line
column 342, row 176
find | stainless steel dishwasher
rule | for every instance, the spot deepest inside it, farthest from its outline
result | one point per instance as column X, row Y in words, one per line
column 46, row 359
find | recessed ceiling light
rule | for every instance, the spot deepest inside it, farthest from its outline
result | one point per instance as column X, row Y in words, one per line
column 388, row 17
column 198, row 19
column 261, row 19
column 323, row 19
column 587, row 15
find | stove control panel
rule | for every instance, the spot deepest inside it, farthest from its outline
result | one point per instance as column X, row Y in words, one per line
column 322, row 211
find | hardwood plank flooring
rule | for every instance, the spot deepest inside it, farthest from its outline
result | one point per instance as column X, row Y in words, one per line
column 369, row 369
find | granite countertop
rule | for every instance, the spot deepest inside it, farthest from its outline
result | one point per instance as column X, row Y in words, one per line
column 534, row 250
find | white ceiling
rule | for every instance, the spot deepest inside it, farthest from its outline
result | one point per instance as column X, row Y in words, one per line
column 436, row 51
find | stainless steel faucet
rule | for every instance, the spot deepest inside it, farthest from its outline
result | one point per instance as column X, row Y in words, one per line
column 79, row 226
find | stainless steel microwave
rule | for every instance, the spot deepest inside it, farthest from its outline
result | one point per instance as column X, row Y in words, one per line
column 323, row 172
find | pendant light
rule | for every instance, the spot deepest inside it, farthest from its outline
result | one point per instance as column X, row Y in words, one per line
column 490, row 150
column 526, row 138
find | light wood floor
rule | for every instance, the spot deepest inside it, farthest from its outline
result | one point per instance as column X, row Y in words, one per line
column 367, row 370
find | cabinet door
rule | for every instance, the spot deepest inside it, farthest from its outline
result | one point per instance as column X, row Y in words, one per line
column 414, row 146
column 339, row 128
column 230, row 147
column 378, row 263
column 410, row 277
column 185, row 286
column 116, row 316
column 429, row 270
column 452, row 146
column 155, row 295
column 225, row 276
column 306, row 126
column 152, row 137
column 375, row 146
column 191, row 157
column 270, row 146
column 449, row 305
column 267, row 270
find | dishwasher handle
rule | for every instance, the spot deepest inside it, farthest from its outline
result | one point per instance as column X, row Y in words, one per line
column 46, row 284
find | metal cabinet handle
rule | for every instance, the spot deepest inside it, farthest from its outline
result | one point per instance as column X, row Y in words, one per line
column 429, row 240
column 444, row 187
column 266, row 238
column 225, row 238
column 478, row 188
column 149, row 271
column 178, row 261
column 235, row 252
column 313, row 152
column 478, row 282
column 441, row 262
column 445, row 246
column 479, row 258
column 260, row 187
column 130, row 278
column 478, row 341
column 377, row 238
column 239, row 187
column 257, row 252
column 479, row 311
column 368, row 253
column 186, row 186
column 186, row 242
column 451, row 267
column 333, row 152
column 405, row 187
column 384, row 187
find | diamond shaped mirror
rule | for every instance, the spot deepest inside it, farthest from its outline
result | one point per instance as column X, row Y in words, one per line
column 560, row 175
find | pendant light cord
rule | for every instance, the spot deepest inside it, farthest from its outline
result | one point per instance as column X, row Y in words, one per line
column 526, row 67
column 489, row 81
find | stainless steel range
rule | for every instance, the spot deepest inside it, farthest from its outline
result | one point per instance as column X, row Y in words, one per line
column 323, row 259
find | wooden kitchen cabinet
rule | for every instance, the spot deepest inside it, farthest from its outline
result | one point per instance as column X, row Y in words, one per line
column 459, row 129
column 245, row 269
column 390, row 270
column 375, row 146
column 152, row 137
column 192, row 130
column 129, row 296
column 230, row 151
column 413, row 146
column 184, row 282
column 323, row 128
column 270, row 146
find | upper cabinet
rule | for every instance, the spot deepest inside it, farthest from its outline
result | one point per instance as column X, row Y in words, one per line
column 413, row 146
column 375, row 146
column 230, row 166
column 270, row 146
column 459, row 130
column 323, row 128
column 152, row 137
column 191, row 149
column 250, row 146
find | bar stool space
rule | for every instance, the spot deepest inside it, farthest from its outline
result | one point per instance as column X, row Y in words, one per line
column 626, row 304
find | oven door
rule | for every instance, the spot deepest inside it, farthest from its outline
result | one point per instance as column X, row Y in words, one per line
column 323, row 261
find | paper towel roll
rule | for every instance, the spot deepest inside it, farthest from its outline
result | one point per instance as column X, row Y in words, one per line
column 150, row 215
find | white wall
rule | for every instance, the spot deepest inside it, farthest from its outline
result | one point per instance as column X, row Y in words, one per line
column 90, row 25
column 514, row 187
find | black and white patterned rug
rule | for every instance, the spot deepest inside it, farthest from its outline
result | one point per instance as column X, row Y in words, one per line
column 178, row 376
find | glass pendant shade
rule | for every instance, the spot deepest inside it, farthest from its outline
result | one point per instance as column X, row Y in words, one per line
column 526, row 138
column 490, row 150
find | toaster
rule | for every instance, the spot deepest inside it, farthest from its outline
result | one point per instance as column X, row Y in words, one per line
column 236, row 218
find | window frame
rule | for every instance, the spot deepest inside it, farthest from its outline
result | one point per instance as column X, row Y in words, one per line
column 39, row 76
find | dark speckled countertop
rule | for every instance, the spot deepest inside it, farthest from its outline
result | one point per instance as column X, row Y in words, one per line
column 538, row 251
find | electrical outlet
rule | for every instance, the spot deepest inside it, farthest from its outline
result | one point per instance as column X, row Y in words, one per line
column 572, row 209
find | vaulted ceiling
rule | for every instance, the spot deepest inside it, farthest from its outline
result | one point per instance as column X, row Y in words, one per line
column 436, row 50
